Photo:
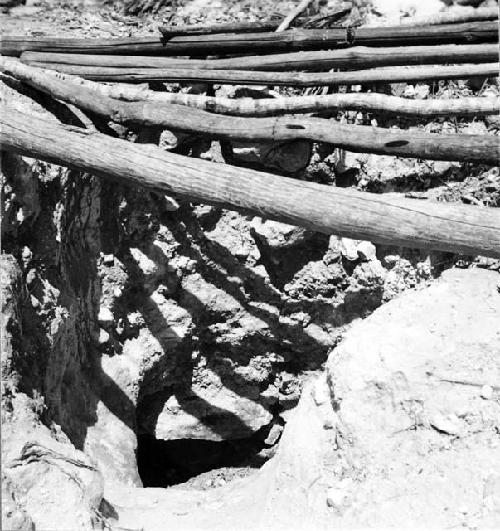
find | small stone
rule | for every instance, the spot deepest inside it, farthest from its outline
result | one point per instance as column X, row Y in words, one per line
column 108, row 259
column 103, row 337
column 31, row 276
column 349, row 249
column 486, row 392
column 135, row 319
column 27, row 255
column 105, row 316
column 367, row 251
column 391, row 259
column 335, row 497
column 328, row 424
column 117, row 292
column 446, row 423
column 206, row 155
column 120, row 327
column 273, row 435
column 320, row 392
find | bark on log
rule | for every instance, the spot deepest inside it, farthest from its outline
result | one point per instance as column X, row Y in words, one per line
column 356, row 57
column 271, row 42
column 455, row 228
column 296, row 79
column 479, row 148
column 370, row 102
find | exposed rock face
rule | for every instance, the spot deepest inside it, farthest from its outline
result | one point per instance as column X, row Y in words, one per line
column 214, row 312
column 400, row 431
column 415, row 434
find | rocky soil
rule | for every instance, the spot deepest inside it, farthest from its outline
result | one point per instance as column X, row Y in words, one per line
column 173, row 365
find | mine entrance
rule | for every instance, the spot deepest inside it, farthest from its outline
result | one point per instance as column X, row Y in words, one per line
column 166, row 463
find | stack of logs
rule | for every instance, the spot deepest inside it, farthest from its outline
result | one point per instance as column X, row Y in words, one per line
column 100, row 77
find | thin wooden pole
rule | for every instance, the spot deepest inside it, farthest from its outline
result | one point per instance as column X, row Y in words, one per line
column 270, row 42
column 303, row 4
column 356, row 57
column 368, row 102
column 238, row 27
column 456, row 228
column 480, row 148
column 296, row 79
column 464, row 15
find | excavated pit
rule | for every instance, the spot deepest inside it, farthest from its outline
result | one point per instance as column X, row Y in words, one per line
column 153, row 342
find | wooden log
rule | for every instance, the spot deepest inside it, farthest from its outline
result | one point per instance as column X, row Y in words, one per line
column 356, row 57
column 369, row 102
column 456, row 228
column 396, row 74
column 464, row 15
column 238, row 27
column 479, row 148
column 272, row 42
column 170, row 31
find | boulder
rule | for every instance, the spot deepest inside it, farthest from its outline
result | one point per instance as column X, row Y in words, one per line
column 416, row 434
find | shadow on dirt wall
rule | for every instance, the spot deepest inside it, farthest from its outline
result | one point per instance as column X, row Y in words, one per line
column 217, row 266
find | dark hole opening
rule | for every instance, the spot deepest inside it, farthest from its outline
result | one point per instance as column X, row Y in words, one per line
column 166, row 463
column 294, row 126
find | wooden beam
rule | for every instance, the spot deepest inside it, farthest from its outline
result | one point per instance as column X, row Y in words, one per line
column 352, row 58
column 271, row 42
column 456, row 228
column 396, row 74
column 479, row 148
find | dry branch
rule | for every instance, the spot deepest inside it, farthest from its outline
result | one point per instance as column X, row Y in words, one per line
column 238, row 27
column 371, row 102
column 465, row 229
column 356, row 57
column 272, row 42
column 464, row 15
column 480, row 148
column 293, row 15
column 298, row 79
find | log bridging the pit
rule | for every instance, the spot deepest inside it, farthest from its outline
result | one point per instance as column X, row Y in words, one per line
column 397, row 221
